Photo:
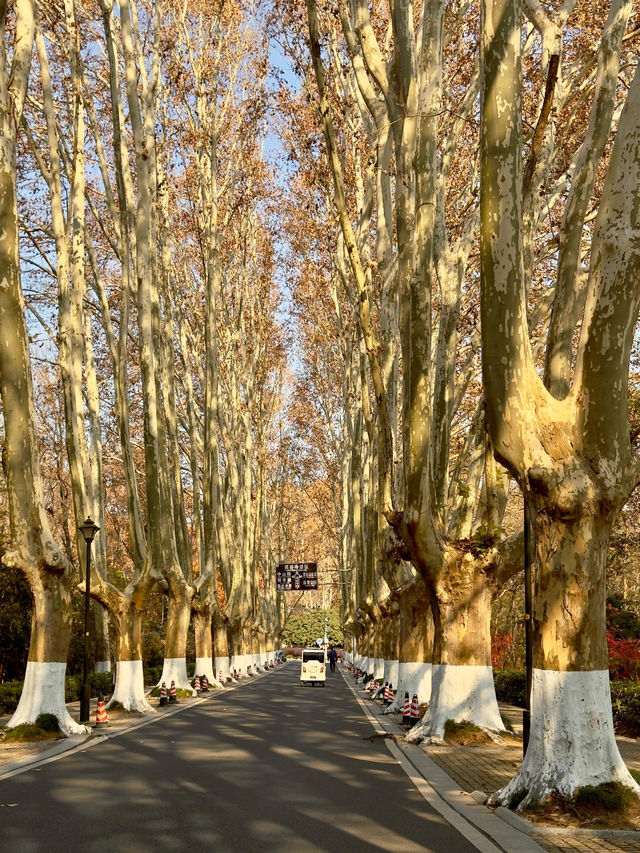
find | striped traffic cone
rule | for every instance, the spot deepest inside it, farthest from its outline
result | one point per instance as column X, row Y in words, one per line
column 205, row 684
column 101, row 713
column 415, row 710
column 392, row 695
column 173, row 696
column 163, row 694
column 196, row 683
column 383, row 691
column 386, row 698
column 406, row 711
column 221, row 677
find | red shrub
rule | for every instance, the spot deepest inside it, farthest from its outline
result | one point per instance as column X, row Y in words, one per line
column 624, row 658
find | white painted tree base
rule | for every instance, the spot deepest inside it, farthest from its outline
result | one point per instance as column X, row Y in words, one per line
column 414, row 677
column 222, row 668
column 103, row 666
column 377, row 667
column 43, row 693
column 204, row 666
column 391, row 676
column 571, row 742
column 129, row 689
column 462, row 694
column 240, row 663
column 175, row 669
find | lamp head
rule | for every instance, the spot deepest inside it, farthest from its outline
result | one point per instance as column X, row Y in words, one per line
column 88, row 528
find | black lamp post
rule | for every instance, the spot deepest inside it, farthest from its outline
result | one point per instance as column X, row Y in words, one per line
column 88, row 529
column 528, row 623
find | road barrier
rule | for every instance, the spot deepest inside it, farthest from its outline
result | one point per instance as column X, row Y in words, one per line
column 406, row 710
column 415, row 710
column 101, row 713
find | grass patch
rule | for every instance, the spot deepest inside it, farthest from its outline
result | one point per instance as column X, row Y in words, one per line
column 464, row 734
column 636, row 775
column 180, row 693
column 612, row 797
column 608, row 806
column 46, row 727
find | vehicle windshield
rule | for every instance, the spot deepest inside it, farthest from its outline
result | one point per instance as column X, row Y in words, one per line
column 319, row 656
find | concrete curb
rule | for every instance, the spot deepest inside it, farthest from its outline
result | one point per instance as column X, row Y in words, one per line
column 500, row 834
column 450, row 791
column 80, row 743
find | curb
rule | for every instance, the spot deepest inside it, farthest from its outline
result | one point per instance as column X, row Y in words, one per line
column 80, row 743
column 451, row 793
column 496, row 833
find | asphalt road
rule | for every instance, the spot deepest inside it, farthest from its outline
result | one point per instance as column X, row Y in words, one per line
column 271, row 766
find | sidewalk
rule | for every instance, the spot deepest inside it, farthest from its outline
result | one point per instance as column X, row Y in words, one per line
column 485, row 769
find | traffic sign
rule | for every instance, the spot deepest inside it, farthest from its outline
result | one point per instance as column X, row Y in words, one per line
column 292, row 576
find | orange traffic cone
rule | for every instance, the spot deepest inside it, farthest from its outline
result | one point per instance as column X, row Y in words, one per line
column 196, row 683
column 101, row 713
column 406, row 711
column 173, row 696
column 163, row 694
column 415, row 710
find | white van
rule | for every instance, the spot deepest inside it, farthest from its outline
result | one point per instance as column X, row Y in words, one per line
column 313, row 668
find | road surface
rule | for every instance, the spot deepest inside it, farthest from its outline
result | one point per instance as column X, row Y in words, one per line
column 271, row 766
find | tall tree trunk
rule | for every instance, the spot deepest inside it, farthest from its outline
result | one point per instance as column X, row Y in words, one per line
column 128, row 692
column 32, row 549
column 572, row 458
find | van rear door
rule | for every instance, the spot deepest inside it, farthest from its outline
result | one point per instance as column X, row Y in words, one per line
column 313, row 667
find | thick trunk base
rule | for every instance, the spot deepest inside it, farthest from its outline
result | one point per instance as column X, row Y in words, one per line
column 101, row 624
column 571, row 743
column 129, row 689
column 175, row 669
column 43, row 693
column 462, row 694
column 223, row 671
column 391, row 672
column 413, row 678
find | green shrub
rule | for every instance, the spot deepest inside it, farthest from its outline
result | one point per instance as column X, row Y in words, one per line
column 625, row 703
column 511, row 686
column 152, row 674
column 9, row 696
column 48, row 722
column 100, row 683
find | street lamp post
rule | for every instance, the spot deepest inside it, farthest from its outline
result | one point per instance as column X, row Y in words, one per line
column 88, row 529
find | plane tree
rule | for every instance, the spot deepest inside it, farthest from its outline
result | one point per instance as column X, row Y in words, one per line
column 566, row 439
